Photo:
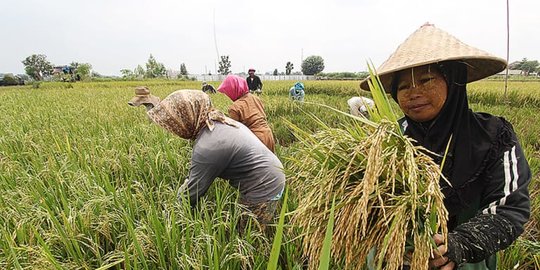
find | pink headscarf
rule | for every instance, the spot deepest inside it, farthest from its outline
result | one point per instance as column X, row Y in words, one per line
column 234, row 87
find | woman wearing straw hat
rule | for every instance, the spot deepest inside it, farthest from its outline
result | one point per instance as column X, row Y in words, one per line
column 486, row 193
column 222, row 148
column 143, row 97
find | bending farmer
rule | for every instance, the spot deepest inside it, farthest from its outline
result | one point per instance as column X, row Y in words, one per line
column 222, row 148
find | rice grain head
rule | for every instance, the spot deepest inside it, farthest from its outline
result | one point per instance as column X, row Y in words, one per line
column 386, row 189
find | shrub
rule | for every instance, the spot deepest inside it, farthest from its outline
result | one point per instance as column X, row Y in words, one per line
column 10, row 79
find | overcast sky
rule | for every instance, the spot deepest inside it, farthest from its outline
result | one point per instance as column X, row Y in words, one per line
column 116, row 34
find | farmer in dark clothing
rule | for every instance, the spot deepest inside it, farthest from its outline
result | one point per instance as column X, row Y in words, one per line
column 486, row 172
column 254, row 82
column 208, row 88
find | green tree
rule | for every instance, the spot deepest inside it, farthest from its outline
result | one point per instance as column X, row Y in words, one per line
column 312, row 65
column 527, row 66
column 288, row 68
column 74, row 65
column 275, row 72
column 127, row 74
column 9, row 79
column 183, row 69
column 224, row 65
column 37, row 66
column 84, row 71
column 139, row 72
column 154, row 69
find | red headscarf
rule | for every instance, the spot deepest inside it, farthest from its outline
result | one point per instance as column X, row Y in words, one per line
column 234, row 87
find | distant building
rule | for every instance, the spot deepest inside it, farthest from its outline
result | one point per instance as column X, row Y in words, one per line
column 511, row 72
column 514, row 64
column 63, row 70
column 173, row 74
column 66, row 73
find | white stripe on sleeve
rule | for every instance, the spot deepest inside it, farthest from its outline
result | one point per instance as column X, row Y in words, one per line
column 510, row 180
column 507, row 177
column 514, row 169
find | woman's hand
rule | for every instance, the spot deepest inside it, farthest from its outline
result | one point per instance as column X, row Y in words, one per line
column 439, row 260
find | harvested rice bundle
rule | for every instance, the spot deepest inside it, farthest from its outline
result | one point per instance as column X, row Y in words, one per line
column 386, row 192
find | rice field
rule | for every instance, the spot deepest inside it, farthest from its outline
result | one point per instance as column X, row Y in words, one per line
column 89, row 183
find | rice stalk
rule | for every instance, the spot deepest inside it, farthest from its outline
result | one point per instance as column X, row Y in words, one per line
column 386, row 189
column 324, row 259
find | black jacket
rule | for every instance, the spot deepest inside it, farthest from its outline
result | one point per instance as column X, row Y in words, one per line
column 497, row 209
column 254, row 83
column 495, row 218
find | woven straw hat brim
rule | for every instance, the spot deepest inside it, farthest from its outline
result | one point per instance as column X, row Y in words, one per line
column 429, row 45
column 142, row 90
column 143, row 99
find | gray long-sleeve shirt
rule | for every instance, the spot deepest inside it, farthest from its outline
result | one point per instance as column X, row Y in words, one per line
column 237, row 155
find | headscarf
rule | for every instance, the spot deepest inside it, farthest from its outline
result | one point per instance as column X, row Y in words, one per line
column 298, row 87
column 474, row 136
column 234, row 87
column 186, row 112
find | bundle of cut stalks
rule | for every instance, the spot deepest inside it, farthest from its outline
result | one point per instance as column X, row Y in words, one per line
column 386, row 192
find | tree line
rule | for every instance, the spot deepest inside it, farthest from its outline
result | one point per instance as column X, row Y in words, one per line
column 526, row 66
column 38, row 67
column 312, row 65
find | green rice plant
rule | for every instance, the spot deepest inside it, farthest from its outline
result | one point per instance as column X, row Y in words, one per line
column 524, row 254
column 84, row 177
column 386, row 189
column 9, row 252
column 278, row 237
column 324, row 259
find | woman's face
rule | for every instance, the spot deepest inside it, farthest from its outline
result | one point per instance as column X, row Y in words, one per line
column 421, row 92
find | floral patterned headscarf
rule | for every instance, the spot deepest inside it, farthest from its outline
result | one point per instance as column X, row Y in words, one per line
column 186, row 112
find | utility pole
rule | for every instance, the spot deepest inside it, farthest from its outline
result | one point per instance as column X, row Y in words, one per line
column 215, row 39
column 507, row 46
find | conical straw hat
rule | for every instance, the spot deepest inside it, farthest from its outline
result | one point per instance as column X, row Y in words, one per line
column 143, row 96
column 429, row 45
column 142, row 90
